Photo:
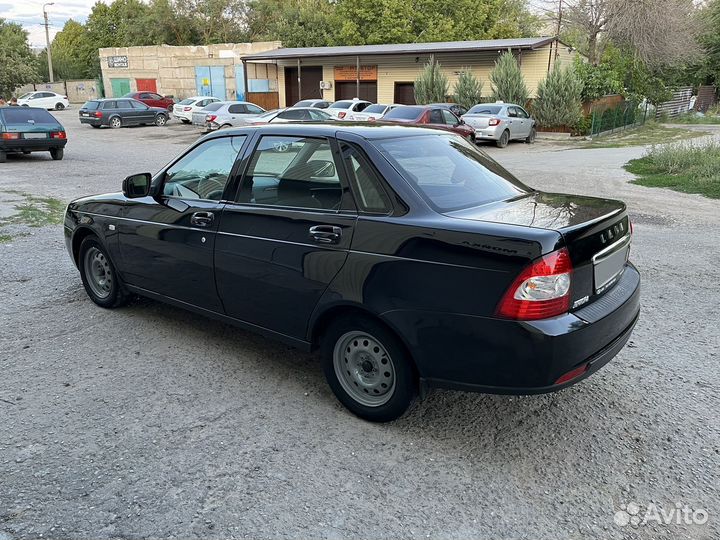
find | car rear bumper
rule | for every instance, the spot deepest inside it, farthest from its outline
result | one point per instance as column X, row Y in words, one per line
column 91, row 121
column 510, row 357
column 489, row 133
column 32, row 145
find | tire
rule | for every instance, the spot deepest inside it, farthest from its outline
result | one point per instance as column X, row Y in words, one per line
column 99, row 276
column 57, row 153
column 59, row 106
column 160, row 120
column 381, row 382
column 115, row 122
column 184, row 121
column 504, row 139
column 26, row 152
column 3, row 157
column 531, row 137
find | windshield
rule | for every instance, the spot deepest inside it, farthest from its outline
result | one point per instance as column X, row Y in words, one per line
column 27, row 95
column 214, row 106
column 375, row 108
column 270, row 114
column 448, row 172
column 485, row 109
column 187, row 101
column 404, row 113
column 341, row 105
column 24, row 115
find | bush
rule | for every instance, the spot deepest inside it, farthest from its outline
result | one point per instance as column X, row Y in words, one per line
column 508, row 84
column 597, row 81
column 559, row 101
column 431, row 86
column 468, row 89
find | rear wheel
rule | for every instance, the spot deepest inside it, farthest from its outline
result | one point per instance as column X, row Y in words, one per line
column 99, row 276
column 184, row 121
column 59, row 106
column 531, row 137
column 115, row 122
column 368, row 369
column 160, row 120
column 504, row 139
column 57, row 153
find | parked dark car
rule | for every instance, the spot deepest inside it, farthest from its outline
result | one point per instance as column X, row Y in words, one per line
column 406, row 255
column 119, row 112
column 28, row 129
column 151, row 99
column 457, row 110
column 431, row 116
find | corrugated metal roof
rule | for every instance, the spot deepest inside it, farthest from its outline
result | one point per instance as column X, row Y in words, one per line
column 403, row 48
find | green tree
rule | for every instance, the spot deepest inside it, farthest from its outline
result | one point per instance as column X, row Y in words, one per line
column 72, row 53
column 18, row 64
column 431, row 86
column 559, row 98
column 507, row 81
column 297, row 23
column 468, row 89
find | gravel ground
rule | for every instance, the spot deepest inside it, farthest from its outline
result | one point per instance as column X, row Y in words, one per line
column 151, row 422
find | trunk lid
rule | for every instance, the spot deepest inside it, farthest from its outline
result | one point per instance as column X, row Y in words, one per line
column 596, row 232
column 478, row 121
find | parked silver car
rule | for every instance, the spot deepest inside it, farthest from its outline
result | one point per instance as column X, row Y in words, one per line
column 500, row 122
column 372, row 112
column 317, row 103
column 226, row 114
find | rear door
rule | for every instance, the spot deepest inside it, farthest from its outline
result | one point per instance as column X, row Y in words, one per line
column 129, row 115
column 287, row 233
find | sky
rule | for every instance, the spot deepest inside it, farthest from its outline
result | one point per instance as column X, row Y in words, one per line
column 29, row 13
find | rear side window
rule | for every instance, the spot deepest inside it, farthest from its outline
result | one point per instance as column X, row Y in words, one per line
column 448, row 172
column 370, row 195
column 109, row 105
column 404, row 113
column 18, row 115
column 91, row 105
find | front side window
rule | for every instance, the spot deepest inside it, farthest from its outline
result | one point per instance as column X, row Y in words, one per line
column 450, row 118
column 203, row 172
column 436, row 116
column 292, row 171
column 254, row 109
column 512, row 112
column 449, row 172
column 319, row 115
column 521, row 112
column 123, row 104
column 371, row 196
column 138, row 105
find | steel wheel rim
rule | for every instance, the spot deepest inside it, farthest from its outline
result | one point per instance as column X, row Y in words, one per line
column 364, row 368
column 98, row 272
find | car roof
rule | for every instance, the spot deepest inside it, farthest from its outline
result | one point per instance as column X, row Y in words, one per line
column 369, row 131
column 350, row 101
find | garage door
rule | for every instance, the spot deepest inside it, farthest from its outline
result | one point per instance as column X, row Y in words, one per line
column 348, row 90
column 405, row 93
column 311, row 77
column 210, row 81
column 146, row 85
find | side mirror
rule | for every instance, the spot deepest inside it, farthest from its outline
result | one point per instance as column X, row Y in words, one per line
column 136, row 185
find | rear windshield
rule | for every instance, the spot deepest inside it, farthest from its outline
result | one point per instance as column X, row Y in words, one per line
column 305, row 103
column 341, row 105
column 91, row 105
column 21, row 115
column 448, row 172
column 214, row 106
column 404, row 113
column 485, row 109
column 187, row 101
column 375, row 108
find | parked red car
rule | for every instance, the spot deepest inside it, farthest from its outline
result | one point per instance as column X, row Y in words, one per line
column 431, row 116
column 151, row 99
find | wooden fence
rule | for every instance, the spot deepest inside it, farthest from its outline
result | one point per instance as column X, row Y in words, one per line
column 266, row 100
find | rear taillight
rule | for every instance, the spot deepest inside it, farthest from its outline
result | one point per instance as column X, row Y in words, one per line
column 541, row 290
column 58, row 135
column 10, row 136
column 186, row 109
column 341, row 115
column 64, row 97
column 98, row 114
column 210, row 117
column 494, row 122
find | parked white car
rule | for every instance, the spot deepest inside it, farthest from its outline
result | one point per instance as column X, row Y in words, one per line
column 345, row 107
column 185, row 109
column 44, row 100
column 222, row 114
column 372, row 112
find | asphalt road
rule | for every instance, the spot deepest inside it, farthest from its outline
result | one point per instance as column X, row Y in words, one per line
column 151, row 422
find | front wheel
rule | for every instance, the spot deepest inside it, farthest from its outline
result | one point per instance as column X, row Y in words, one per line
column 368, row 369
column 531, row 136
column 59, row 106
column 160, row 120
column 504, row 139
column 99, row 276
column 57, row 153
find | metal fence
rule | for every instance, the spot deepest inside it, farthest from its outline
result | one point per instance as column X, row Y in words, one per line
column 625, row 115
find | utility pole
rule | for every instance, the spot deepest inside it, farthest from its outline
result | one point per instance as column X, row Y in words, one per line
column 47, row 41
column 557, row 36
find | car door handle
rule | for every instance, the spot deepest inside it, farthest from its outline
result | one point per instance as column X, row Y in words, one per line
column 325, row 234
column 202, row 219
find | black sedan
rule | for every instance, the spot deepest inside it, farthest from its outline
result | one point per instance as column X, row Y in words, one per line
column 121, row 112
column 408, row 257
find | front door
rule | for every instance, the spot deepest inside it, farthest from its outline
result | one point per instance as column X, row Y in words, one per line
column 144, row 114
column 167, row 242
column 287, row 234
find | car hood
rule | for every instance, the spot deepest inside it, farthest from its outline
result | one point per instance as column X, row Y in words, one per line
column 552, row 211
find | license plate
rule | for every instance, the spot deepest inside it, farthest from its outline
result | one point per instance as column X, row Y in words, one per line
column 84, row 114
column 609, row 264
column 35, row 136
